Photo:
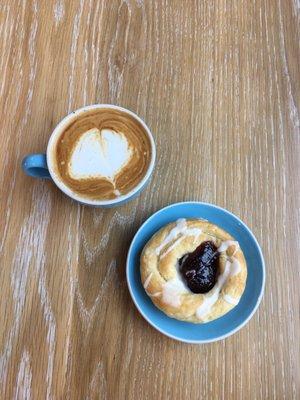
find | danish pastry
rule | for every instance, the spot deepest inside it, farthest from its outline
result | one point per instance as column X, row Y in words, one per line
column 193, row 270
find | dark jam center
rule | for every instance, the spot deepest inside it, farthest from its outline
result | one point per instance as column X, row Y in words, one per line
column 199, row 268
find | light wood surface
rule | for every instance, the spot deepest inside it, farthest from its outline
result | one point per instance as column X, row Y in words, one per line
column 218, row 84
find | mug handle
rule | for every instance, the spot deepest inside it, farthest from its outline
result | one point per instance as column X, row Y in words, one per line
column 36, row 165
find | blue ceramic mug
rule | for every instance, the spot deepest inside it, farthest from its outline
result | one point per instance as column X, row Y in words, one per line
column 43, row 165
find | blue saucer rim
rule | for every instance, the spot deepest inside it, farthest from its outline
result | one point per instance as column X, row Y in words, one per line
column 200, row 341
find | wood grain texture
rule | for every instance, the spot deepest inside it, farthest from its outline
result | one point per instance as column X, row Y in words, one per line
column 218, row 83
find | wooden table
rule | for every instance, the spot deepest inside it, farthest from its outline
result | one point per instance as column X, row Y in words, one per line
column 218, row 84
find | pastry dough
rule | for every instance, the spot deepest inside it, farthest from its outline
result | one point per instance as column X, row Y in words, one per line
column 165, row 285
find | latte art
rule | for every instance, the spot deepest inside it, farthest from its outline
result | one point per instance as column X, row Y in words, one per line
column 99, row 155
column 102, row 154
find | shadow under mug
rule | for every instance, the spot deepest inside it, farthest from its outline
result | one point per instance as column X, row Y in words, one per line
column 41, row 165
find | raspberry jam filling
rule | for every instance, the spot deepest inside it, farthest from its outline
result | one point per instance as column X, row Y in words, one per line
column 199, row 269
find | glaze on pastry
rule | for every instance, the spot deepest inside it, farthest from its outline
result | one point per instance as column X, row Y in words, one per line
column 193, row 270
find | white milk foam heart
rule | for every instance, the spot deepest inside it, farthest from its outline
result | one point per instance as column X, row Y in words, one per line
column 99, row 155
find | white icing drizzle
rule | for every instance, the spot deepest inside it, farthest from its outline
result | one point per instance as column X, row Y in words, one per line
column 231, row 300
column 172, row 291
column 147, row 281
column 231, row 268
column 172, row 246
column 180, row 228
column 236, row 266
column 208, row 302
column 156, row 294
column 224, row 246
column 187, row 232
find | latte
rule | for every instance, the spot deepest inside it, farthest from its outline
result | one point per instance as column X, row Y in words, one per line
column 102, row 154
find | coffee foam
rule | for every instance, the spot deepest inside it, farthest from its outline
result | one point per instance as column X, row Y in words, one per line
column 102, row 154
column 99, row 154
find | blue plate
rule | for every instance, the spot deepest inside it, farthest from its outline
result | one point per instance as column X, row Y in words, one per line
column 221, row 327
